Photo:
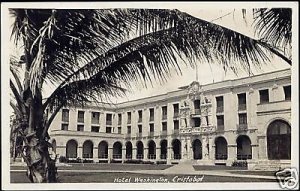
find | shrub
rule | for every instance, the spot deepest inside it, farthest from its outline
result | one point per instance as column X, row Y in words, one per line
column 239, row 164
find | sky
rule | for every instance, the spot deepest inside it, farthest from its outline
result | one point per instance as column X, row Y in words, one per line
column 230, row 17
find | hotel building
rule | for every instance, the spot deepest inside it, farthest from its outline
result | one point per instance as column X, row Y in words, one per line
column 214, row 124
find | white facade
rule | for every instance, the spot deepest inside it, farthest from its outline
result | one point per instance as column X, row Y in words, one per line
column 235, row 128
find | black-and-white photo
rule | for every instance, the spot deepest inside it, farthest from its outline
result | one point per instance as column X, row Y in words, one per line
column 134, row 93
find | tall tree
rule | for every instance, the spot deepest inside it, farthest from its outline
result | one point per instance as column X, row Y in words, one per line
column 88, row 54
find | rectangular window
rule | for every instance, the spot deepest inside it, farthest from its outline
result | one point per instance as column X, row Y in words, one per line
column 128, row 129
column 164, row 126
column 80, row 118
column 108, row 130
column 220, row 104
column 95, row 129
column 197, row 121
column 119, row 119
column 197, row 106
column 176, row 110
column 176, row 124
column 65, row 115
column 108, row 119
column 80, row 127
column 128, row 117
column 140, row 112
column 151, row 127
column 140, row 127
column 241, row 101
column 151, row 114
column 164, row 112
column 64, row 127
column 119, row 130
column 242, row 118
column 220, row 122
column 287, row 92
column 264, row 96
column 95, row 117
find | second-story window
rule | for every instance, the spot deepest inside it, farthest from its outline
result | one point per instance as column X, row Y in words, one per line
column 151, row 127
column 164, row 112
column 80, row 118
column 176, row 110
column 108, row 119
column 119, row 130
column 128, row 129
column 220, row 122
column 220, row 104
column 197, row 106
column 140, row 119
column 140, row 127
column 128, row 117
column 119, row 119
column 80, row 127
column 242, row 118
column 287, row 92
column 95, row 129
column 264, row 96
column 241, row 101
column 151, row 114
column 95, row 117
column 164, row 126
column 65, row 115
column 176, row 124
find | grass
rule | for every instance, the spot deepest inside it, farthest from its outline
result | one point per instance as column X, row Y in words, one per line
column 109, row 177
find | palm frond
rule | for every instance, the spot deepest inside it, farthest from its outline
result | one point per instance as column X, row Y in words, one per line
column 274, row 25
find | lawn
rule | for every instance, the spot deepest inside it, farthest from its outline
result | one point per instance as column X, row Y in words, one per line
column 109, row 177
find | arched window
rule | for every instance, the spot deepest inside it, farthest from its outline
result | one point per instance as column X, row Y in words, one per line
column 71, row 149
column 87, row 149
column 103, row 150
column 176, row 145
column 151, row 150
column 244, row 149
column 279, row 140
column 140, row 150
column 163, row 149
column 221, row 148
column 128, row 150
column 197, row 149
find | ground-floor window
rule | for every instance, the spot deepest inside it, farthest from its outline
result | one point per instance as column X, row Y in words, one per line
column 103, row 150
column 176, row 145
column 71, row 149
column 244, row 150
column 197, row 149
column 221, row 148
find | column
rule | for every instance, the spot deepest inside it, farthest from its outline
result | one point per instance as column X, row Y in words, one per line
column 134, row 152
column 157, row 153
column 183, row 149
column 146, row 153
column 188, row 142
column 231, row 154
column 95, row 154
column 169, row 154
column 79, row 151
column 123, row 154
column 205, row 149
column 255, row 150
column 110, row 153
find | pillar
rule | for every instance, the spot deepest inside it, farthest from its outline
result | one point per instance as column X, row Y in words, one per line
column 169, row 154
column 123, row 154
column 134, row 152
column 79, row 151
column 95, row 154
column 189, row 151
column 157, row 153
column 231, row 154
column 254, row 151
column 262, row 148
column 110, row 153
column 146, row 153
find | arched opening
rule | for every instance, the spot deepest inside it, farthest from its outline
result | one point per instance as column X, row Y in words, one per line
column 103, row 150
column 71, row 149
column 163, row 149
column 244, row 150
column 87, row 149
column 54, row 145
column 128, row 150
column 117, row 150
column 279, row 140
column 151, row 150
column 197, row 149
column 140, row 150
column 221, row 148
column 176, row 146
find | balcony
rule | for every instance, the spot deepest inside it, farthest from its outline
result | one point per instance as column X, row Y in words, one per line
column 175, row 132
column 242, row 107
column 242, row 127
column 151, row 156
column 95, row 121
column 278, row 106
column 108, row 122
column 151, row 119
column 176, row 115
column 197, row 111
column 164, row 133
column 139, row 156
column 74, row 134
column 220, row 128
column 151, row 134
column 220, row 109
column 139, row 134
column 128, row 135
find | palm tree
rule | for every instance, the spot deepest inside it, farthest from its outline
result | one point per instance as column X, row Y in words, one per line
column 89, row 54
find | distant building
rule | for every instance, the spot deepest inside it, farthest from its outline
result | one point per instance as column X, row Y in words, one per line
column 214, row 124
